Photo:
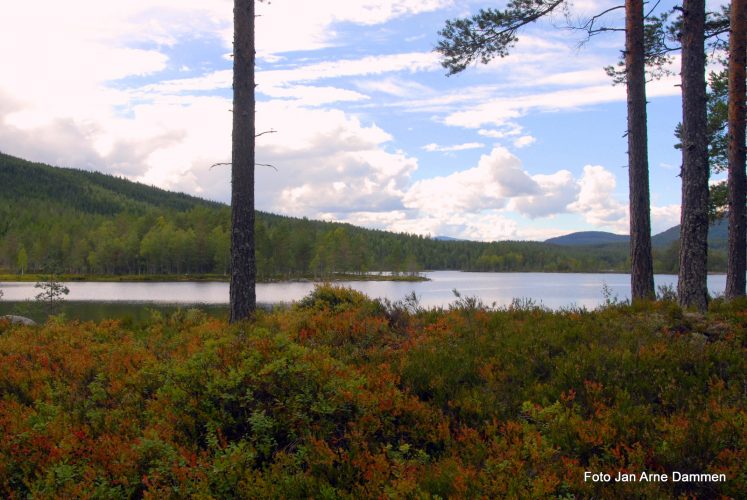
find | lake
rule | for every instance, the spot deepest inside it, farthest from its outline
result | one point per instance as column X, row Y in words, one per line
column 551, row 290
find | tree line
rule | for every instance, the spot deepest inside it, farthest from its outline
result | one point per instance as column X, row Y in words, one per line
column 51, row 236
column 70, row 221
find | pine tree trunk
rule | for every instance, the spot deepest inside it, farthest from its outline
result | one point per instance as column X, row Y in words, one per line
column 735, row 272
column 642, row 272
column 243, row 263
column 692, row 287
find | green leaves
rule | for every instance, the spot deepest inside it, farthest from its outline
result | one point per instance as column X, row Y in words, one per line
column 488, row 34
column 52, row 293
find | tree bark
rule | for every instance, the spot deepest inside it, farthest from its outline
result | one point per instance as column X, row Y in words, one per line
column 692, row 287
column 736, row 266
column 243, row 261
column 642, row 271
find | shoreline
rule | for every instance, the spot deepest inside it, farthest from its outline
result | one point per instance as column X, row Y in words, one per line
column 171, row 278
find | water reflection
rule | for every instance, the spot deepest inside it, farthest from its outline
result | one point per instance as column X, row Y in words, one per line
column 553, row 290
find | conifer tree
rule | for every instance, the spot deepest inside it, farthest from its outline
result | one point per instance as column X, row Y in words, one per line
column 243, row 260
column 735, row 275
column 692, row 288
column 642, row 270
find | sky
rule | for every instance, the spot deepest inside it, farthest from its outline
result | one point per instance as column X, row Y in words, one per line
column 367, row 127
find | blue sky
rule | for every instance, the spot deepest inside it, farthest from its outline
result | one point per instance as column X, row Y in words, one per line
column 369, row 130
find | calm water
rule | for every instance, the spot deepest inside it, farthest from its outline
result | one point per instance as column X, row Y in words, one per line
column 552, row 290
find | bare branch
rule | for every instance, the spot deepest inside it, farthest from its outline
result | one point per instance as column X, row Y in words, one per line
column 651, row 11
column 588, row 26
column 271, row 131
column 598, row 31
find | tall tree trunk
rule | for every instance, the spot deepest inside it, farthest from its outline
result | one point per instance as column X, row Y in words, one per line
column 692, row 287
column 243, row 262
column 642, row 270
column 735, row 272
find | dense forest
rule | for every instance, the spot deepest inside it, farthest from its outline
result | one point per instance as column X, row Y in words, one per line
column 77, row 222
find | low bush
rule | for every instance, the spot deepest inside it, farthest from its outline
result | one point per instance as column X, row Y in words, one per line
column 346, row 397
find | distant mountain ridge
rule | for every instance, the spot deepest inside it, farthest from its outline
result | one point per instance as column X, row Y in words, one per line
column 717, row 235
column 588, row 238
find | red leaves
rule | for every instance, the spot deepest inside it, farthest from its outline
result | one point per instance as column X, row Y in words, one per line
column 311, row 400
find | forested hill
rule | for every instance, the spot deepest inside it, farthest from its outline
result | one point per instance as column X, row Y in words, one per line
column 88, row 192
column 589, row 238
column 717, row 237
column 80, row 222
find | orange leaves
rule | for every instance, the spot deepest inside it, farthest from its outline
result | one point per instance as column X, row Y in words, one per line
column 567, row 397
column 343, row 397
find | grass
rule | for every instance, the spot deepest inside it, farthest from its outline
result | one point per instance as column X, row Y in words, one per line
column 342, row 396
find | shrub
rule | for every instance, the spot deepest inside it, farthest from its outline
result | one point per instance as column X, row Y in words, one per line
column 346, row 397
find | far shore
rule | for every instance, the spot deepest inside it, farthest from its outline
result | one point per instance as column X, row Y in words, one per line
column 168, row 278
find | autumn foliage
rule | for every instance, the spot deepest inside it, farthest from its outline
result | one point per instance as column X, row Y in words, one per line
column 345, row 397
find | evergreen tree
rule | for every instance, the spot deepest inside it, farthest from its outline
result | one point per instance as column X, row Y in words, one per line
column 23, row 259
column 692, row 287
column 243, row 259
column 52, row 293
column 642, row 270
column 735, row 275
column 489, row 33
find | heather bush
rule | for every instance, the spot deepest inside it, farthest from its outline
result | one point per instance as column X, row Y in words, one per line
column 346, row 397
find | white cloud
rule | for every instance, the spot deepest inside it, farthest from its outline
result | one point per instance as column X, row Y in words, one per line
column 510, row 130
column 524, row 141
column 310, row 22
column 370, row 65
column 289, row 83
column 596, row 200
column 663, row 218
column 490, row 225
column 582, row 77
column 65, row 110
column 327, row 161
column 313, row 96
column 498, row 111
column 556, row 192
column 477, row 203
column 395, row 86
column 270, row 81
column 497, row 177
column 215, row 80
column 84, row 45
column 449, row 99
column 433, row 147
